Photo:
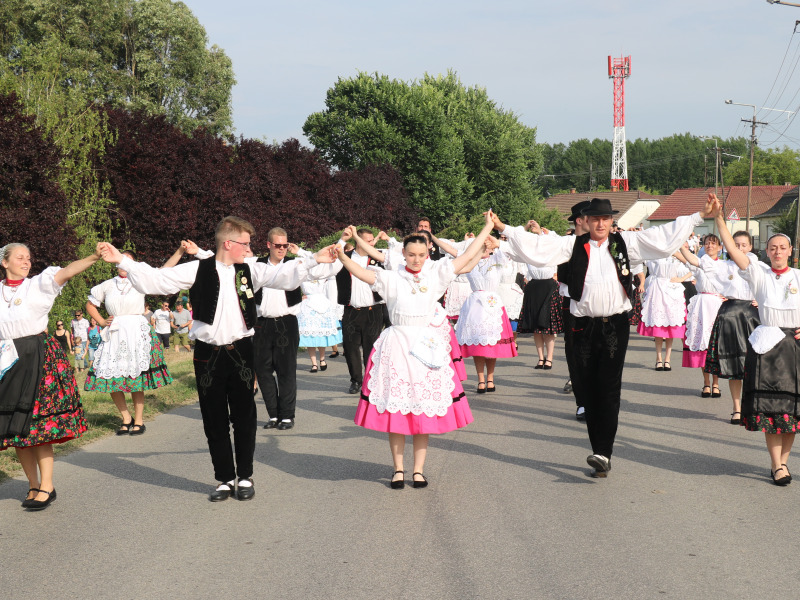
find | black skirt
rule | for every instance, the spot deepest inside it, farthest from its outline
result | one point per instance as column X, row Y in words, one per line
column 540, row 313
column 771, row 380
column 727, row 346
column 19, row 386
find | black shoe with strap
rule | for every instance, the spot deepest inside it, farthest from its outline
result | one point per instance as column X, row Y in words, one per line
column 420, row 484
column 42, row 504
column 398, row 484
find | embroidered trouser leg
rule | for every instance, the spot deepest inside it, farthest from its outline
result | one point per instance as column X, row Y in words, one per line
column 225, row 386
column 598, row 352
column 360, row 329
column 276, row 342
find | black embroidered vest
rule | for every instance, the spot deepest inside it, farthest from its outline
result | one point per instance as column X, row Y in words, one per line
column 344, row 283
column 293, row 297
column 575, row 269
column 204, row 293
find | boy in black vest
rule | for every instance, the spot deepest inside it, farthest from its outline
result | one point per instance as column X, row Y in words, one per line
column 276, row 340
column 222, row 291
column 599, row 281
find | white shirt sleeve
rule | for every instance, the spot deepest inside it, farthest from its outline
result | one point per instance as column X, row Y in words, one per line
column 538, row 250
column 149, row 280
column 661, row 241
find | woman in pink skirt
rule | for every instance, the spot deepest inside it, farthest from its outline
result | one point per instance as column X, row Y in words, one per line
column 663, row 306
column 703, row 308
column 410, row 385
column 483, row 329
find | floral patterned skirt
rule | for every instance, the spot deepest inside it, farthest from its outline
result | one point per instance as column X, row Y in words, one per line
column 57, row 410
column 155, row 377
column 635, row 316
column 771, row 393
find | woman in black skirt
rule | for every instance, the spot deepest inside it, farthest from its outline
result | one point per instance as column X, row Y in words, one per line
column 39, row 400
column 736, row 320
column 541, row 312
column 771, row 381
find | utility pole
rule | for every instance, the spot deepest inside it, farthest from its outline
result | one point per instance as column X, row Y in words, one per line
column 753, row 124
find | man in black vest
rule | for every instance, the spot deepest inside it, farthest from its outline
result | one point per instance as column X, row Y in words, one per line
column 600, row 286
column 222, row 290
column 276, row 340
column 363, row 317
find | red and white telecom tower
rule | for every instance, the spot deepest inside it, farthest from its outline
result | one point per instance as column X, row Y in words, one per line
column 619, row 69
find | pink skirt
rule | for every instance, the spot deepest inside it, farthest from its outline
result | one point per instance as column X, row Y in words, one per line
column 504, row 348
column 671, row 331
column 458, row 415
column 455, row 356
column 694, row 359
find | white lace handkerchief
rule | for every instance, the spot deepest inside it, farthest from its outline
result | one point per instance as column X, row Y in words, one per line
column 764, row 338
column 8, row 356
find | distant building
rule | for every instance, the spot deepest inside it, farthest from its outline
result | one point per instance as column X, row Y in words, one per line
column 766, row 219
column 634, row 207
column 734, row 203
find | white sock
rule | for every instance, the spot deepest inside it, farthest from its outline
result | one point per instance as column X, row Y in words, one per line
column 226, row 486
column 273, row 419
column 245, row 483
column 284, row 421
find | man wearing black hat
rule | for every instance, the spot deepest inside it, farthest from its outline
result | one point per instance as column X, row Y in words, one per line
column 579, row 222
column 600, row 286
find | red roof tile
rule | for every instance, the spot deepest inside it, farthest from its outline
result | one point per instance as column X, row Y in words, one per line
column 691, row 200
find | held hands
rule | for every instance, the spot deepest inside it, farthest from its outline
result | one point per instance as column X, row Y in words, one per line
column 109, row 253
column 533, row 227
column 382, row 235
column 469, row 236
column 491, row 244
column 712, row 208
column 348, row 233
column 189, row 247
column 294, row 248
column 494, row 220
column 327, row 254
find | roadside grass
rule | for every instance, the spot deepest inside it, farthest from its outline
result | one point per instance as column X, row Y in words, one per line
column 103, row 416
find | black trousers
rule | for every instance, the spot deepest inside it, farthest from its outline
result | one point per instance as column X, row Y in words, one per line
column 599, row 345
column 276, row 342
column 360, row 328
column 567, row 317
column 225, row 386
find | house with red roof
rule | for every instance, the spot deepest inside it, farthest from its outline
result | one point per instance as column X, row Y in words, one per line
column 634, row 207
column 734, row 206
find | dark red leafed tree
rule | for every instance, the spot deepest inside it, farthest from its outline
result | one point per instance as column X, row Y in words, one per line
column 33, row 209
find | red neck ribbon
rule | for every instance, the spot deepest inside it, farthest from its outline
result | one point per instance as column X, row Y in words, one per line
column 13, row 282
column 781, row 271
column 413, row 272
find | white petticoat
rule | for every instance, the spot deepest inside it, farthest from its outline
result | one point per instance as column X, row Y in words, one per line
column 127, row 351
column 512, row 297
column 764, row 338
column 663, row 303
column 399, row 382
column 481, row 320
column 703, row 309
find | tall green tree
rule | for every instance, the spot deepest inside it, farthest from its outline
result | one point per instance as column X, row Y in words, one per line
column 457, row 150
column 149, row 55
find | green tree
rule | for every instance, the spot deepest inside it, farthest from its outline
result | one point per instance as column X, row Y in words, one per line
column 135, row 54
column 458, row 152
column 770, row 167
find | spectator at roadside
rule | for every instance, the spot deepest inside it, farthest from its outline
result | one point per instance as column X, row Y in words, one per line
column 79, row 326
column 161, row 321
column 94, row 340
column 181, row 323
column 79, row 346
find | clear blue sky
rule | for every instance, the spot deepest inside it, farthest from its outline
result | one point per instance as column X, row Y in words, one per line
column 546, row 61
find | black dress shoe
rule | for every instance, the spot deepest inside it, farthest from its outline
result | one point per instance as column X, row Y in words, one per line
column 222, row 493
column 355, row 387
column 271, row 424
column 490, row 389
column 323, row 365
column 27, row 502
column 42, row 504
column 580, row 414
column 284, row 425
column 420, row 484
column 247, row 492
column 398, row 484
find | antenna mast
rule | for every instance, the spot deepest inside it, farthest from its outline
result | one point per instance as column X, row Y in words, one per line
column 619, row 69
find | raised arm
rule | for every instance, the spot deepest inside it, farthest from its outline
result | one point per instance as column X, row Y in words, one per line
column 79, row 266
column 689, row 257
column 368, row 249
column 149, row 280
column 444, row 246
column 740, row 258
column 176, row 257
column 476, row 247
column 355, row 269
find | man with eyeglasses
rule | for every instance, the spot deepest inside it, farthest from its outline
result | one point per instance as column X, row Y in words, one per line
column 222, row 291
column 161, row 321
column 276, row 340
column 79, row 326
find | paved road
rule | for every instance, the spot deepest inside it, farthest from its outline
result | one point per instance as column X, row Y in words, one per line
column 687, row 512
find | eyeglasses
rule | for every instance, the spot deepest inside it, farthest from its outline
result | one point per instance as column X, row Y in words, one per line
column 245, row 244
column 59, row 324
column 280, row 246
